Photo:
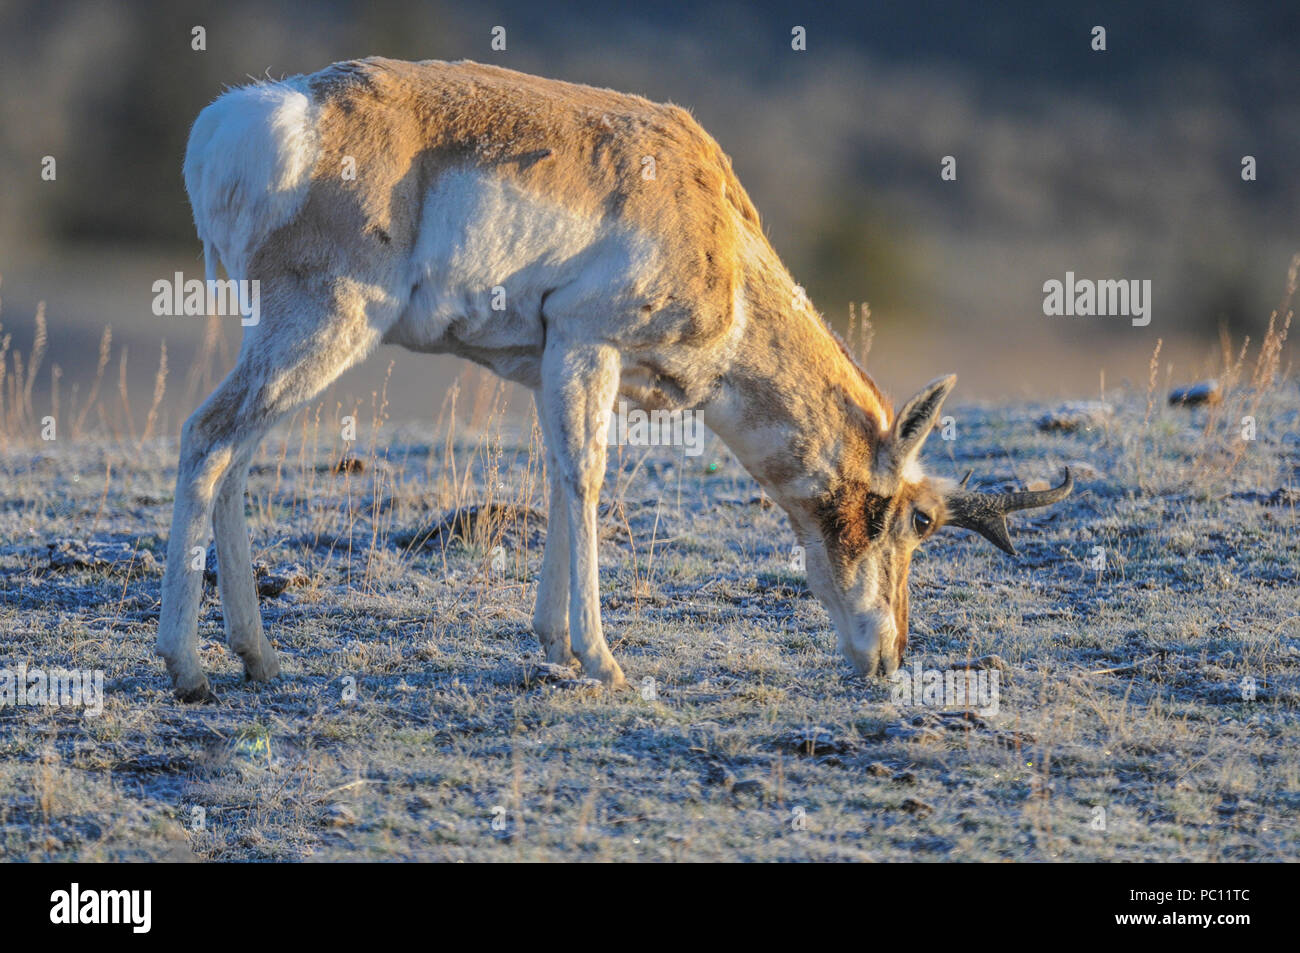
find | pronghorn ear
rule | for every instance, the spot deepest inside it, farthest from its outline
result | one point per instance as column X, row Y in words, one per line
column 917, row 418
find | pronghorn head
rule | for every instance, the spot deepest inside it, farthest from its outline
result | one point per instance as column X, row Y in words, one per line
column 871, row 522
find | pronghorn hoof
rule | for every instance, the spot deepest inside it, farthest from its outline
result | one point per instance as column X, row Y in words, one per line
column 262, row 669
column 196, row 695
column 613, row 681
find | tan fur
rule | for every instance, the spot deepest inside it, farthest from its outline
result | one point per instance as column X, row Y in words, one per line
column 580, row 147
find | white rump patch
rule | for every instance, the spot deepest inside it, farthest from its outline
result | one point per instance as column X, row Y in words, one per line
column 248, row 166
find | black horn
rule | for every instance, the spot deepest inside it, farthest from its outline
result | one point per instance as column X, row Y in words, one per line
column 986, row 513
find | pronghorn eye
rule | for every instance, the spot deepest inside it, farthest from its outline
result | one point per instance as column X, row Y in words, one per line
column 921, row 522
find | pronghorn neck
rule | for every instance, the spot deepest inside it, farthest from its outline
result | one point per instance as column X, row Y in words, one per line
column 794, row 406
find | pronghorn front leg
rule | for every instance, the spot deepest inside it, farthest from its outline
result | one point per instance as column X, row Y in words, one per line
column 551, row 615
column 579, row 385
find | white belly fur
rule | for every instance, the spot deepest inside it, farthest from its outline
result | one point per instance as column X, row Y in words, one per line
column 483, row 241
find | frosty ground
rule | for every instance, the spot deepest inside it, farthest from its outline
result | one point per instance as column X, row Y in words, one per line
column 1147, row 642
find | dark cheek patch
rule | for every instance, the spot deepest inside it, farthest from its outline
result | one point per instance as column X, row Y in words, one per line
column 853, row 519
column 844, row 523
column 876, row 512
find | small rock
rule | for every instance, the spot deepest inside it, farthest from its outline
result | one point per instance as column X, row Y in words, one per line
column 340, row 815
column 268, row 587
column 273, row 584
column 1013, row 740
column 483, row 522
column 751, row 786
column 561, row 676
column 270, row 583
column 706, row 727
column 813, row 741
column 582, row 684
column 717, row 773
column 67, row 554
column 1193, row 395
column 549, row 672
column 918, row 807
column 983, row 663
column 421, row 801
column 962, row 720
column 1076, row 415
column 878, row 770
column 70, row 554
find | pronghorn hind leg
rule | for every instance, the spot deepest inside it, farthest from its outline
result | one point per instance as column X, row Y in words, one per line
column 204, row 457
column 289, row 358
column 579, row 385
column 239, row 604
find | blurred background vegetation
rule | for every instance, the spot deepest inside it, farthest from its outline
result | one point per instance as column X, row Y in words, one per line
column 1117, row 164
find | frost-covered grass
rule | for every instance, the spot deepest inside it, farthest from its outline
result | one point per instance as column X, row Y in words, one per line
column 1122, row 688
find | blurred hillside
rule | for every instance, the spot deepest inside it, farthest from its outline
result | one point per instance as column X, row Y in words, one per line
column 1122, row 164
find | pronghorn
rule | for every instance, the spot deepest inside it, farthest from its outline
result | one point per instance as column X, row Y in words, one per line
column 657, row 288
